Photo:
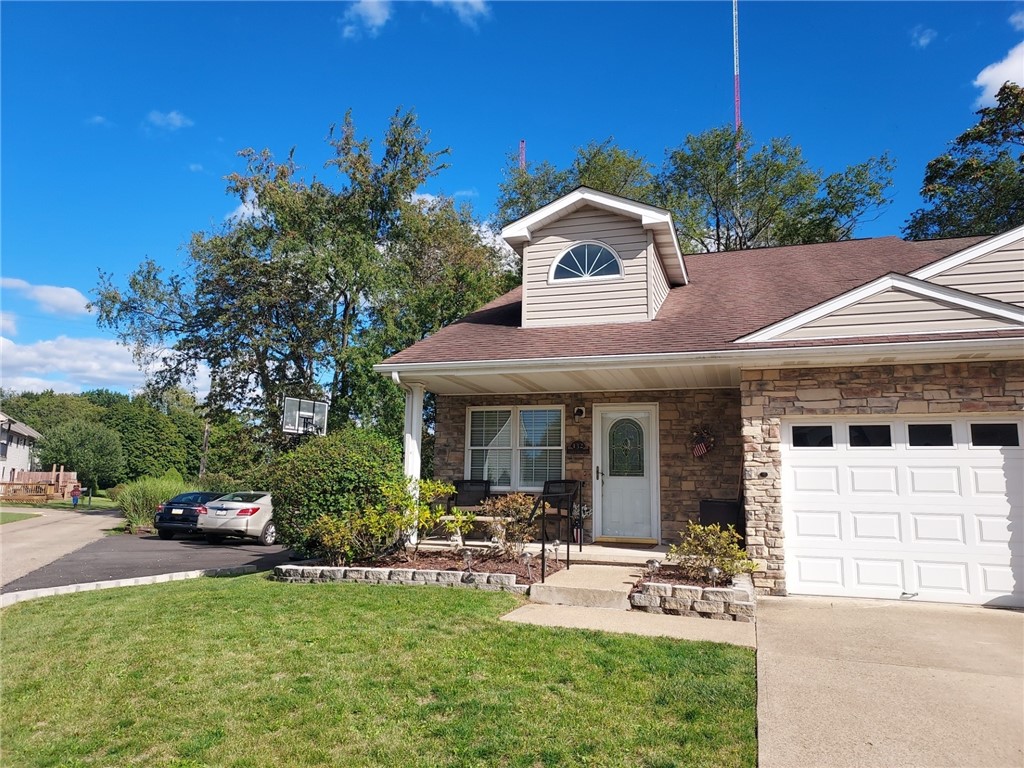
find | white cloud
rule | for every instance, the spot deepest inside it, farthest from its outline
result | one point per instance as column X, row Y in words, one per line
column 195, row 167
column 992, row 77
column 1017, row 21
column 921, row 36
column 468, row 11
column 54, row 299
column 8, row 326
column 69, row 364
column 170, row 121
column 98, row 120
column 365, row 16
column 245, row 210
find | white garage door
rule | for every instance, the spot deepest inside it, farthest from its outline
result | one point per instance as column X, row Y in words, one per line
column 905, row 508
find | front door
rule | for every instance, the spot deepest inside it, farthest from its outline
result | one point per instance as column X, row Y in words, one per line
column 626, row 473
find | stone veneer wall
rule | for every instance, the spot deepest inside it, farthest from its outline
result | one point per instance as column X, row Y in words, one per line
column 771, row 394
column 685, row 480
column 735, row 603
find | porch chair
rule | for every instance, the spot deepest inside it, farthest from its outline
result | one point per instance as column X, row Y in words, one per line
column 563, row 498
column 469, row 493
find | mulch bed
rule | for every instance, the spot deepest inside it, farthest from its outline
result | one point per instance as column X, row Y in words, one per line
column 483, row 562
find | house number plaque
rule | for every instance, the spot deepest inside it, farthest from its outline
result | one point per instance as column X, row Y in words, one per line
column 577, row 448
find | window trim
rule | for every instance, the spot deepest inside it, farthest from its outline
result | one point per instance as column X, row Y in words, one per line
column 578, row 280
column 951, row 423
column 801, row 423
column 867, row 423
column 515, row 446
column 970, row 434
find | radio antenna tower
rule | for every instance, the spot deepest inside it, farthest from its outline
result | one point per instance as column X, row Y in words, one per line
column 522, row 154
column 736, row 80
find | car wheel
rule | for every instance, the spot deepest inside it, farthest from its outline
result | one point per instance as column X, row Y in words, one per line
column 214, row 538
column 268, row 535
column 165, row 534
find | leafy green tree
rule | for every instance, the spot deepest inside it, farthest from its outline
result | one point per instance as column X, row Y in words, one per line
column 151, row 444
column 43, row 411
column 977, row 186
column 92, row 450
column 603, row 166
column 726, row 194
column 289, row 300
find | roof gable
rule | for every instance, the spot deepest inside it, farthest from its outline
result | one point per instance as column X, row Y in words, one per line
column 658, row 220
column 894, row 305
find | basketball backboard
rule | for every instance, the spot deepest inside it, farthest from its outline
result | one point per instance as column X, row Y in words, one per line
column 304, row 417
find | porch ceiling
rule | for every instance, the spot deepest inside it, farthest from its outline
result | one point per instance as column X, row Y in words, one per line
column 555, row 379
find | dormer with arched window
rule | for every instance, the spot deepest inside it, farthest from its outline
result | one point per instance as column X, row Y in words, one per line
column 590, row 257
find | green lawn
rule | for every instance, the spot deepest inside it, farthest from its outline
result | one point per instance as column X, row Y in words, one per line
column 249, row 672
column 13, row 517
column 98, row 502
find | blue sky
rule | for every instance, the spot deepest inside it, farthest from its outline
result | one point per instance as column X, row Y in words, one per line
column 120, row 120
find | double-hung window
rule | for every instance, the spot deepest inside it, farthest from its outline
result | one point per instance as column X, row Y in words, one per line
column 516, row 448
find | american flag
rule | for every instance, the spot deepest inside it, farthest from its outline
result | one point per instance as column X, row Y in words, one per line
column 700, row 447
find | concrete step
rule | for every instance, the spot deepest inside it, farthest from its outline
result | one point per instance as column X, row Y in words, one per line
column 588, row 586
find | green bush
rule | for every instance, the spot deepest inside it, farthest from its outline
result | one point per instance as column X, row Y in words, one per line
column 139, row 499
column 708, row 546
column 516, row 528
column 113, row 493
column 218, row 482
column 354, row 474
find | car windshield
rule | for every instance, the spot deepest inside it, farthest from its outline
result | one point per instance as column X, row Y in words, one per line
column 247, row 497
column 196, row 497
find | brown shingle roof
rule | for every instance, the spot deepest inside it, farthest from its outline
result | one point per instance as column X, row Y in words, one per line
column 730, row 295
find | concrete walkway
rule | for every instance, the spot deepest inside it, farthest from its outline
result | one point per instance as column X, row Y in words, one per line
column 27, row 545
column 844, row 682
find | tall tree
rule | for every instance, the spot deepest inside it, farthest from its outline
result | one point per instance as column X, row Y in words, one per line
column 726, row 194
column 281, row 301
column 977, row 186
column 92, row 450
column 603, row 166
column 150, row 442
column 44, row 411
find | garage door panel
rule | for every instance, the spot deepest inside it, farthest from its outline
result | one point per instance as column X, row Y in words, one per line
column 926, row 480
column 993, row 530
column 874, row 480
column 822, row 572
column 819, row 524
column 902, row 522
column 874, row 528
column 816, row 479
column 872, row 573
column 950, row 578
column 932, row 529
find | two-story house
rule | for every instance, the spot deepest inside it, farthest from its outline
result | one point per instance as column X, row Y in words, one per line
column 862, row 399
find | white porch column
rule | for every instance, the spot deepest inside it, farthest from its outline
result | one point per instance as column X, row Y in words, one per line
column 413, row 440
column 413, row 429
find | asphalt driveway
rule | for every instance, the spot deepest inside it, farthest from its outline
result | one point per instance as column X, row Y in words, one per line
column 125, row 556
column 844, row 682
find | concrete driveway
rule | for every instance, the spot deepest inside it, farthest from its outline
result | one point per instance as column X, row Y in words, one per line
column 844, row 682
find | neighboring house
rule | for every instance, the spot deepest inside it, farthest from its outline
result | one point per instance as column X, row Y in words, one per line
column 16, row 443
column 863, row 398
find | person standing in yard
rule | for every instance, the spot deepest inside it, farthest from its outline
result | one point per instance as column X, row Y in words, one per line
column 76, row 494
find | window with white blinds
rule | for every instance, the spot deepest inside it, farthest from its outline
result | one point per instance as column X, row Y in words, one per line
column 516, row 448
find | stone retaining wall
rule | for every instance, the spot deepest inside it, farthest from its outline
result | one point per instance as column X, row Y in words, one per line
column 735, row 603
column 490, row 582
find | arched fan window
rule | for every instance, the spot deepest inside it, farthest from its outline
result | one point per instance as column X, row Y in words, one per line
column 586, row 261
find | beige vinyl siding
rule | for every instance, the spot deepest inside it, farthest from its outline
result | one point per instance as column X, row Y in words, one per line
column 998, row 275
column 659, row 282
column 895, row 312
column 582, row 302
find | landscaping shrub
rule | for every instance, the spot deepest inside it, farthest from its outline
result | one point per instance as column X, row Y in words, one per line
column 516, row 530
column 354, row 474
column 138, row 499
column 218, row 482
column 708, row 546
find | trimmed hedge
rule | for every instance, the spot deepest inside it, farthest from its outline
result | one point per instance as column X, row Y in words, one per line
column 343, row 474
